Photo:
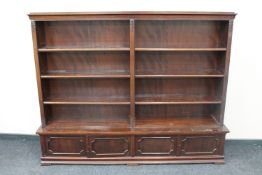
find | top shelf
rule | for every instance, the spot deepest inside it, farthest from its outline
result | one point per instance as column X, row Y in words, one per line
column 132, row 13
column 138, row 15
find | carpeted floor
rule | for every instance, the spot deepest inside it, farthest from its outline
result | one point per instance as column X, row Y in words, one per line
column 20, row 155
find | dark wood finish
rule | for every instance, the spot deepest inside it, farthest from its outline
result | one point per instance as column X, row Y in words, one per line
column 109, row 146
column 84, row 64
column 156, row 146
column 180, row 64
column 149, row 149
column 87, row 34
column 87, row 116
column 112, row 129
column 132, row 73
column 168, row 112
column 229, row 40
column 178, row 90
column 86, row 90
column 181, row 49
column 81, row 49
column 149, row 15
column 34, row 29
column 65, row 145
column 200, row 145
column 132, row 87
column 201, row 34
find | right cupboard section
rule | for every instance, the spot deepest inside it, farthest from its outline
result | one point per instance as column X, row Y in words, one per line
column 180, row 73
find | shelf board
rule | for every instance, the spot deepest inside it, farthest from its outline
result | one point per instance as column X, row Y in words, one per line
column 49, row 76
column 180, row 49
column 175, row 102
column 69, row 49
column 87, row 124
column 181, row 76
column 62, row 49
column 127, row 103
column 153, row 99
column 190, row 123
column 85, row 103
column 175, row 124
column 82, row 76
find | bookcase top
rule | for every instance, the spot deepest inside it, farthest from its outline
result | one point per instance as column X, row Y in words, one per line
column 183, row 14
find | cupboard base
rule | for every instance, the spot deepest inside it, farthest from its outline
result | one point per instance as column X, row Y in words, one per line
column 134, row 147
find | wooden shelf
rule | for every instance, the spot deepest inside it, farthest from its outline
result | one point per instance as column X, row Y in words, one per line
column 180, row 49
column 206, row 122
column 86, row 124
column 128, row 76
column 178, row 91
column 86, row 91
column 127, row 103
column 180, row 64
column 83, row 49
column 82, row 76
column 180, row 76
column 86, row 103
column 176, row 123
column 176, row 102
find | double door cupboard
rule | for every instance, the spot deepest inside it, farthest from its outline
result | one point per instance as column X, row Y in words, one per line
column 132, row 87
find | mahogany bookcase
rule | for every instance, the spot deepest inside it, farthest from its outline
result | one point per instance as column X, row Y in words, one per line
column 132, row 87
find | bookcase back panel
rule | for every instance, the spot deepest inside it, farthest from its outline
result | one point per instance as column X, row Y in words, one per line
column 90, row 63
column 181, row 34
column 190, row 89
column 100, row 33
column 180, row 63
column 175, row 111
column 91, row 90
column 87, row 113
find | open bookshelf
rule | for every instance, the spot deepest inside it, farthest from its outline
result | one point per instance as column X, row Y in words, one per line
column 135, row 87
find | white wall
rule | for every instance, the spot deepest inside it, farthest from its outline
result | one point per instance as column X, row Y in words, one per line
column 19, row 110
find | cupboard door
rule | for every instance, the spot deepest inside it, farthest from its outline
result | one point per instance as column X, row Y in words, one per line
column 155, row 146
column 65, row 145
column 200, row 145
column 109, row 146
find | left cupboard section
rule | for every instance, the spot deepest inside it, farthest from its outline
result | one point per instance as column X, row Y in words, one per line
column 84, row 72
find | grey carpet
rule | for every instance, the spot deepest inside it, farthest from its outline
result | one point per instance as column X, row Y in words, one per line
column 20, row 155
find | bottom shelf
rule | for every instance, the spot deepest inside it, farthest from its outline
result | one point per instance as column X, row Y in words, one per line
column 178, row 124
column 86, row 124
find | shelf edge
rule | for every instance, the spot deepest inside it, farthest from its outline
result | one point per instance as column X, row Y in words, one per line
column 181, row 49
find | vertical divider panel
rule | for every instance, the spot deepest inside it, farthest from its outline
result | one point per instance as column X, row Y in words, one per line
column 34, row 29
column 132, row 73
column 224, row 90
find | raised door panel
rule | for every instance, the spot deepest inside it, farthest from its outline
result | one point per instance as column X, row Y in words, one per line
column 66, row 145
column 200, row 145
column 109, row 146
column 155, row 146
